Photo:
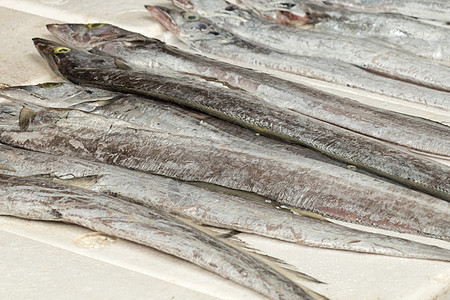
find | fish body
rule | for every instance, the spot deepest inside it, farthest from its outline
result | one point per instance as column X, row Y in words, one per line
column 366, row 54
column 246, row 110
column 207, row 207
column 265, row 168
column 432, row 10
column 402, row 32
column 37, row 199
column 145, row 53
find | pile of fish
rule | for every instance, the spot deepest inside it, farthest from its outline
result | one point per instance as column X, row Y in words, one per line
column 146, row 141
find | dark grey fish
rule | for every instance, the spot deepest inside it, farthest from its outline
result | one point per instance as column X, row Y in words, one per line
column 141, row 52
column 244, row 109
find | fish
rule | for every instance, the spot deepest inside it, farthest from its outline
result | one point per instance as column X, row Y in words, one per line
column 246, row 110
column 422, row 39
column 263, row 168
column 431, row 10
column 204, row 206
column 141, row 52
column 364, row 53
column 37, row 199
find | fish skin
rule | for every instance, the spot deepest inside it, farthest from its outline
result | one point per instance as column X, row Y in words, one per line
column 248, row 111
column 207, row 207
column 294, row 180
column 432, row 10
column 141, row 52
column 404, row 32
column 36, row 199
column 363, row 53
column 378, row 123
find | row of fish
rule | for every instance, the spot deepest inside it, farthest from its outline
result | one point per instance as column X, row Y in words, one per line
column 364, row 53
column 77, row 133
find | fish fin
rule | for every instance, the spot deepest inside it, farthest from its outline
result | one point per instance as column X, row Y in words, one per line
column 292, row 270
column 121, row 65
column 26, row 116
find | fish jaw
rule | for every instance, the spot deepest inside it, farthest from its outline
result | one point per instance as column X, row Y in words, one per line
column 70, row 58
column 165, row 16
column 46, row 49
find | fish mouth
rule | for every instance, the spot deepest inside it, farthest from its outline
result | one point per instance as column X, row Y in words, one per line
column 46, row 49
column 164, row 16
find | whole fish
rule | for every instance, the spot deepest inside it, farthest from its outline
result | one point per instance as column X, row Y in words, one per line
column 142, row 52
column 279, row 175
column 403, row 32
column 363, row 53
column 208, row 207
column 37, row 199
column 246, row 110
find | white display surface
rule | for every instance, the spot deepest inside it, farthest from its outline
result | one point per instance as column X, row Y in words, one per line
column 44, row 260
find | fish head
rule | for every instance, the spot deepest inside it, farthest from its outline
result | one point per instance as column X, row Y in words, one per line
column 186, row 25
column 60, row 56
column 87, row 36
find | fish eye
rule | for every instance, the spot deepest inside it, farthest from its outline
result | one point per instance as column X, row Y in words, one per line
column 49, row 85
column 58, row 50
column 94, row 25
column 190, row 17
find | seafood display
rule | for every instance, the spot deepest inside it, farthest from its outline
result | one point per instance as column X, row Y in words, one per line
column 229, row 140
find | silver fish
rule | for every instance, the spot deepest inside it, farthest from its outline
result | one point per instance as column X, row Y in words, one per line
column 266, row 170
column 433, row 10
column 364, row 53
column 38, row 199
column 403, row 32
column 142, row 52
column 246, row 110
column 208, row 207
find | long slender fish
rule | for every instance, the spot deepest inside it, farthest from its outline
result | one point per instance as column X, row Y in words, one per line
column 246, row 110
column 49, row 201
column 363, row 53
column 291, row 179
column 142, row 52
column 208, row 207
column 404, row 32
column 433, row 10
column 203, row 36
